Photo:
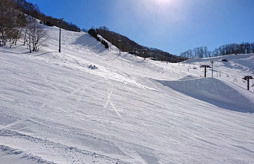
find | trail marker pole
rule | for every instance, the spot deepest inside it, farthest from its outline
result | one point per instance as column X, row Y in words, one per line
column 59, row 39
column 60, row 35
column 119, row 46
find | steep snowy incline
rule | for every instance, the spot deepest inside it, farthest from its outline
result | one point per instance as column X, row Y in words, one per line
column 92, row 105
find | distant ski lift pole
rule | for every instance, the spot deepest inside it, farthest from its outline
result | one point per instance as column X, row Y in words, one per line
column 205, row 66
column 120, row 41
column 247, row 78
column 60, row 35
column 212, row 66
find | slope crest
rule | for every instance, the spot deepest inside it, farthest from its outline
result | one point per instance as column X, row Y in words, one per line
column 212, row 91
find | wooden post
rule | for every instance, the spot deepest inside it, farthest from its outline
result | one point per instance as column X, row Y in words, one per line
column 59, row 39
column 119, row 46
column 60, row 34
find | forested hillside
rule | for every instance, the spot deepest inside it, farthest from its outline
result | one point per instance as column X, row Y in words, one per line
column 127, row 45
column 9, row 9
column 228, row 49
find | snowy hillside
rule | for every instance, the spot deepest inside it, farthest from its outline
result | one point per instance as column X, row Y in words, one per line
column 92, row 105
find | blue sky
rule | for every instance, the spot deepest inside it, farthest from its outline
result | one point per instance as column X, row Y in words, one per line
column 170, row 25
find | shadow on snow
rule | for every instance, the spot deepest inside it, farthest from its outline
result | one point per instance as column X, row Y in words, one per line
column 91, row 43
column 214, row 92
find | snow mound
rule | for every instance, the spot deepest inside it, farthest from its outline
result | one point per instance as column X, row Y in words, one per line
column 212, row 91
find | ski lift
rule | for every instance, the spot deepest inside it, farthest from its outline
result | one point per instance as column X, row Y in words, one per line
column 205, row 67
column 247, row 78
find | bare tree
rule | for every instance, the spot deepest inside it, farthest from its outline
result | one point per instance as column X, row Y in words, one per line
column 36, row 36
column 6, row 20
column 11, row 22
column 20, row 24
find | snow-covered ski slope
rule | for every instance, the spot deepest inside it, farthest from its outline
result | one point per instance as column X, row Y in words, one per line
column 92, row 105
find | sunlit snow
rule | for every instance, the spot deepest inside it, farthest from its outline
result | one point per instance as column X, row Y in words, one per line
column 92, row 105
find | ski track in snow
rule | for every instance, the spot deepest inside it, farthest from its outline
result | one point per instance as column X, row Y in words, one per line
column 55, row 109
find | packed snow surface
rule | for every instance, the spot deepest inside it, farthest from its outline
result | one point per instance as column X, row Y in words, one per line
column 92, row 105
